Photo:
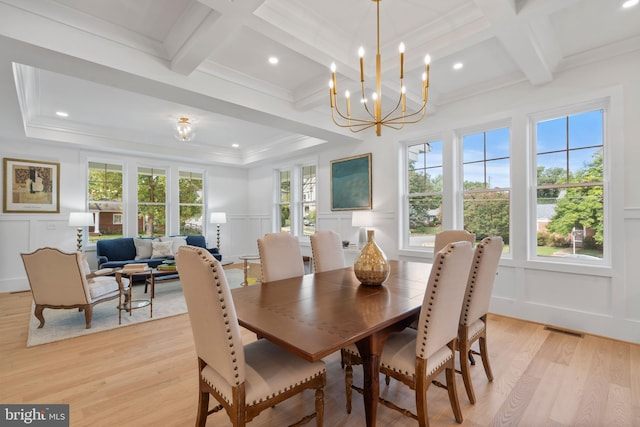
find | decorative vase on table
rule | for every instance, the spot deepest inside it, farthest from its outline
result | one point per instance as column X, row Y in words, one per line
column 371, row 267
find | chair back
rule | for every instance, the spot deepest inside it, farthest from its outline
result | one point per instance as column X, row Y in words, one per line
column 56, row 277
column 214, row 323
column 450, row 236
column 280, row 257
column 481, row 277
column 439, row 315
column 326, row 248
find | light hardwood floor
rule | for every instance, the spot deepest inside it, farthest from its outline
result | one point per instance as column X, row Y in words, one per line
column 145, row 375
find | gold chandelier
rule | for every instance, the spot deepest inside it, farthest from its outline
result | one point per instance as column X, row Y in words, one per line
column 396, row 118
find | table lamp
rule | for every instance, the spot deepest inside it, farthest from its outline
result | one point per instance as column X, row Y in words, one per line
column 362, row 219
column 218, row 218
column 80, row 220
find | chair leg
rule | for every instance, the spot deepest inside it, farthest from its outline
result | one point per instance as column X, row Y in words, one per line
column 88, row 313
column 484, row 353
column 421, row 386
column 348, row 380
column 464, row 348
column 319, row 407
column 453, row 394
column 203, row 409
column 38, row 313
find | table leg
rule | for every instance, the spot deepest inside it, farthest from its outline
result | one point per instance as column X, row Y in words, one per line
column 152, row 291
column 370, row 349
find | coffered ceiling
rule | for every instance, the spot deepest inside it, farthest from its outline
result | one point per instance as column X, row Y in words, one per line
column 126, row 70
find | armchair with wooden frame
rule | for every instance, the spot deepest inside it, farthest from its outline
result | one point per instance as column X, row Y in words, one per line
column 64, row 280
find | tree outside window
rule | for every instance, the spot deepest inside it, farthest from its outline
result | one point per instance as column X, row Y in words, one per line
column 486, row 183
column 191, row 187
column 424, row 183
column 284, row 201
column 152, row 209
column 570, row 186
column 308, row 200
column 105, row 200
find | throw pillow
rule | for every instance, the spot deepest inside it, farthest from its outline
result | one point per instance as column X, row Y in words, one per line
column 161, row 249
column 176, row 242
column 143, row 248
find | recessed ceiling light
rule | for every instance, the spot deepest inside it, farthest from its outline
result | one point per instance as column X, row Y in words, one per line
column 273, row 60
column 235, row 145
column 62, row 114
column 629, row 3
column 458, row 66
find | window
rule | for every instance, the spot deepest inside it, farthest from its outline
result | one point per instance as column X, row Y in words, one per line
column 105, row 200
column 308, row 200
column 284, row 201
column 424, row 184
column 486, row 183
column 296, row 200
column 191, row 186
column 570, row 186
column 152, row 209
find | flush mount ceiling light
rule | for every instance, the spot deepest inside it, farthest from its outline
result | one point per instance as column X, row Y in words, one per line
column 62, row 114
column 629, row 3
column 273, row 60
column 458, row 66
column 398, row 116
column 184, row 130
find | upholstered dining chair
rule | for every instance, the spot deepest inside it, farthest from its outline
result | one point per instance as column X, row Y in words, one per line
column 449, row 236
column 64, row 280
column 473, row 317
column 280, row 257
column 326, row 247
column 244, row 380
column 416, row 357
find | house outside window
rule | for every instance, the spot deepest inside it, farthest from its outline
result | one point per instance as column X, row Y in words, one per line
column 570, row 190
column 486, row 183
column 424, row 193
column 152, row 208
column 191, row 188
column 104, row 200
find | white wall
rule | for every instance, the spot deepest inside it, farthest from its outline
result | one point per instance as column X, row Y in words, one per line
column 25, row 233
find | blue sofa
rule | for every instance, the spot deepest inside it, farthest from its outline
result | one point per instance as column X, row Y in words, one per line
column 116, row 253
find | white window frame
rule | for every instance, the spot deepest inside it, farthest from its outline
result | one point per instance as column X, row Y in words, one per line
column 552, row 113
column 295, row 203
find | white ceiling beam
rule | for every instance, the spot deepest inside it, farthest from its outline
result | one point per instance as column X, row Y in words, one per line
column 529, row 42
column 223, row 20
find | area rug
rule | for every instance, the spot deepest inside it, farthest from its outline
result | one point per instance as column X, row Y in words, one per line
column 65, row 324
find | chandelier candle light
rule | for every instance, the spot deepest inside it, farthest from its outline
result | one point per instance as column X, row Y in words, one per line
column 396, row 118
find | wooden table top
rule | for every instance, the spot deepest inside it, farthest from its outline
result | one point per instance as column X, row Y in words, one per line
column 317, row 314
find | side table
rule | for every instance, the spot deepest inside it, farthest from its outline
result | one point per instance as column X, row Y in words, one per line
column 129, row 304
column 245, row 268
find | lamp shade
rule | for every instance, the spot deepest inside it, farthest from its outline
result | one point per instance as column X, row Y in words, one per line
column 218, row 218
column 361, row 219
column 80, row 219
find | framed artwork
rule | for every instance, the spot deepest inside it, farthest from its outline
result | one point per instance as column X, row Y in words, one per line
column 351, row 183
column 31, row 186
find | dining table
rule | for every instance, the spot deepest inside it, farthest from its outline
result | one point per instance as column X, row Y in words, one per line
column 317, row 314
